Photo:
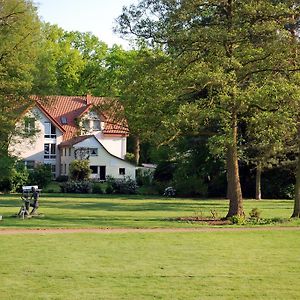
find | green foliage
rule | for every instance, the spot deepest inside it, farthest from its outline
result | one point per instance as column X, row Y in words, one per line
column 255, row 213
column 192, row 185
column 19, row 33
column 83, row 187
column 125, row 185
column 41, row 175
column 130, row 157
column 237, row 220
column 62, row 178
column 97, row 188
column 109, row 189
column 144, row 177
column 233, row 63
column 13, row 174
column 80, row 170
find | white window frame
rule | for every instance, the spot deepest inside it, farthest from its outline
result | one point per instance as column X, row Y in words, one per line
column 51, row 152
column 50, row 130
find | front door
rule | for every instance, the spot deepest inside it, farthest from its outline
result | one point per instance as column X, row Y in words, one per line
column 102, row 172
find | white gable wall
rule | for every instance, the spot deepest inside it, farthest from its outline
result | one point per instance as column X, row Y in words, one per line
column 111, row 163
column 115, row 145
column 32, row 148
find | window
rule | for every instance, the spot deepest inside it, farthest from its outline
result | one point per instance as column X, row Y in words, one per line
column 29, row 125
column 96, row 124
column 121, row 171
column 94, row 169
column 50, row 130
column 49, row 151
column 64, row 120
column 70, row 151
column 29, row 164
column 93, row 152
column 86, row 124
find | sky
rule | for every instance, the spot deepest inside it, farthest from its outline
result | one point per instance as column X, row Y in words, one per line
column 96, row 16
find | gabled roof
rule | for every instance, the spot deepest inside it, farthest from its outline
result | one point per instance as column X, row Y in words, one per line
column 74, row 141
column 73, row 107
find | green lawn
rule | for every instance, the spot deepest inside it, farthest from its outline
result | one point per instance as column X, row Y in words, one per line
column 212, row 265
column 77, row 211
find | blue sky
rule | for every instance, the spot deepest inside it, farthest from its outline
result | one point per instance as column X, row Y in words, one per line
column 96, row 16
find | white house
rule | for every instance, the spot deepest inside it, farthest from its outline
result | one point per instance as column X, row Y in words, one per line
column 68, row 128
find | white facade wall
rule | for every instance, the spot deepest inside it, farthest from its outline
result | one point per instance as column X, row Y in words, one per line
column 112, row 164
column 32, row 148
column 114, row 144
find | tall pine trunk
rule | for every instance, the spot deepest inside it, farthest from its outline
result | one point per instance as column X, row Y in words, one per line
column 258, row 182
column 234, row 190
column 296, row 213
column 137, row 149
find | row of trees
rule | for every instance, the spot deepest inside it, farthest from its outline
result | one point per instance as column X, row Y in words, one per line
column 222, row 71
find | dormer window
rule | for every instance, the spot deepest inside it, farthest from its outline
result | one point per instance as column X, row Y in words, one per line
column 64, row 120
column 50, row 130
column 96, row 125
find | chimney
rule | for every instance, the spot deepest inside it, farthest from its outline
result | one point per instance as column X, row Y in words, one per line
column 88, row 99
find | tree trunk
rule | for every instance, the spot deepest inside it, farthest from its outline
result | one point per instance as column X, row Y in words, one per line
column 296, row 213
column 137, row 149
column 258, row 182
column 234, row 190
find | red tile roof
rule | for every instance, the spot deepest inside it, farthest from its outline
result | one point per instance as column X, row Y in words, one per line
column 73, row 107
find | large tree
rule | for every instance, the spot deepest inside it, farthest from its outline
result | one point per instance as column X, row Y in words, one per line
column 19, row 33
column 226, row 51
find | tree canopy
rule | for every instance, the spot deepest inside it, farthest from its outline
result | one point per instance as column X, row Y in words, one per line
column 234, row 57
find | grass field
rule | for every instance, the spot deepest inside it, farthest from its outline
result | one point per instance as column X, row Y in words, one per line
column 78, row 211
column 173, row 265
column 212, row 265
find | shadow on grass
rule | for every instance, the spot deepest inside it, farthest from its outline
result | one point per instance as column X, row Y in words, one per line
column 144, row 206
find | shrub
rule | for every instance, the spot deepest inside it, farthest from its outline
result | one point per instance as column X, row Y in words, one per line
column 125, row 185
column 13, row 174
column 109, row 189
column 97, row 189
column 255, row 213
column 144, row 177
column 41, row 175
column 19, row 177
column 238, row 220
column 62, row 178
column 190, row 185
column 80, row 170
column 84, row 187
column 130, row 157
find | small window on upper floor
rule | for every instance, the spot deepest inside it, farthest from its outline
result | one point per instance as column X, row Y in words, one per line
column 50, row 130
